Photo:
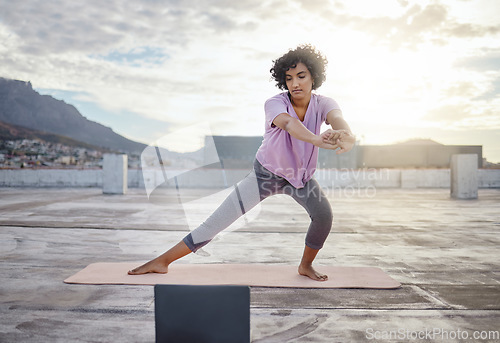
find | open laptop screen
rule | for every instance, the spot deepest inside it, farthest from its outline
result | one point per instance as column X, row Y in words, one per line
column 202, row 314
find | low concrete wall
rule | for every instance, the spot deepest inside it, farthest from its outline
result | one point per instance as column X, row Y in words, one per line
column 489, row 178
column 50, row 178
column 214, row 178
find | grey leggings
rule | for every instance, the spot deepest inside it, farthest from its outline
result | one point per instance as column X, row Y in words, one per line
column 254, row 188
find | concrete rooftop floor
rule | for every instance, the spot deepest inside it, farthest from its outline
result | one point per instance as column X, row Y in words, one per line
column 445, row 253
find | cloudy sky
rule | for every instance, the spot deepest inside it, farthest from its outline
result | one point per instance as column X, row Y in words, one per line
column 399, row 69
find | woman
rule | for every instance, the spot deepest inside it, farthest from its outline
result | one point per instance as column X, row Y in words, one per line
column 285, row 162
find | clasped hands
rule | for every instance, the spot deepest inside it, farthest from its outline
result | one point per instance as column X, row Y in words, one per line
column 337, row 139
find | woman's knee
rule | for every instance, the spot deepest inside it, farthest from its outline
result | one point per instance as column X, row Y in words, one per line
column 322, row 214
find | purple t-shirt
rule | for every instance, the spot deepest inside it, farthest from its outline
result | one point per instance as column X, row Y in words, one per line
column 284, row 155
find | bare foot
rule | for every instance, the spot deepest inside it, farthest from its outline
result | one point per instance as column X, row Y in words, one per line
column 160, row 264
column 153, row 266
column 309, row 271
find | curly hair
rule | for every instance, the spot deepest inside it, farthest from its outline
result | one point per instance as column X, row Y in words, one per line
column 307, row 54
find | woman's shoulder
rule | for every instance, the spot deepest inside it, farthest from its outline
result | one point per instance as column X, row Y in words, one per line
column 283, row 96
column 278, row 99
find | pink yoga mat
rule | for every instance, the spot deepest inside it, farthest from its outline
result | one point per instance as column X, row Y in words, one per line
column 261, row 275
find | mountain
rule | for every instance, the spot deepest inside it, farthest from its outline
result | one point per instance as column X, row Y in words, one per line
column 20, row 105
column 9, row 132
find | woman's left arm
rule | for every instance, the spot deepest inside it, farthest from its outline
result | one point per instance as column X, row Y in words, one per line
column 336, row 121
column 342, row 132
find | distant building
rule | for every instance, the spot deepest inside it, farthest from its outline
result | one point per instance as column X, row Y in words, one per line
column 414, row 154
column 66, row 160
column 238, row 152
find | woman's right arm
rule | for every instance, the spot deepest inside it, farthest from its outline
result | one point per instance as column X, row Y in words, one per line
column 297, row 130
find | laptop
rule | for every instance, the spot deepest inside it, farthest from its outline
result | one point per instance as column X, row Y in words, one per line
column 202, row 314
